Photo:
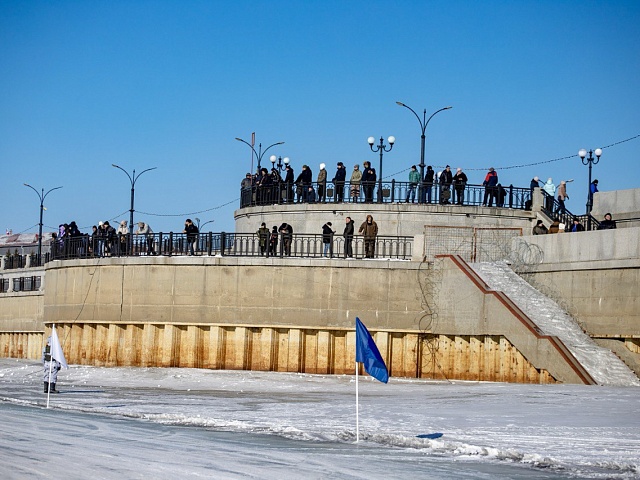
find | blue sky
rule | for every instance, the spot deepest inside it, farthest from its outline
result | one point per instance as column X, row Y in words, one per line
column 171, row 84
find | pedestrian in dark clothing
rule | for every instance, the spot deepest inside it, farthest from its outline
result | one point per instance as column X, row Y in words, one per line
column 263, row 238
column 490, row 183
column 192, row 235
column 273, row 241
column 446, row 179
column 459, row 184
column 338, row 181
column 286, row 231
column 428, row 184
column 607, row 223
column 289, row 181
column 368, row 181
column 349, row 230
column 540, row 229
column 303, row 183
column 577, row 226
column 327, row 238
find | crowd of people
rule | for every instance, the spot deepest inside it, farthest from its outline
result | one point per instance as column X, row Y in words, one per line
column 105, row 240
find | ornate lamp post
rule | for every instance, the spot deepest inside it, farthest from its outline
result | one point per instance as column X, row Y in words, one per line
column 381, row 148
column 259, row 153
column 590, row 161
column 423, row 126
column 132, row 179
column 41, row 196
column 282, row 162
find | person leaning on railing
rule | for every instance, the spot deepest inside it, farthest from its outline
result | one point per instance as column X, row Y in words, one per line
column 144, row 229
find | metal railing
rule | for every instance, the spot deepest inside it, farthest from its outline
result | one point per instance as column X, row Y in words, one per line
column 392, row 192
column 552, row 208
column 231, row 244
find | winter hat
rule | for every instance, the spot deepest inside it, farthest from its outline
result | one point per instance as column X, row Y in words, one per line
column 536, row 179
column 322, row 165
column 100, row 224
column 459, row 170
column 563, row 182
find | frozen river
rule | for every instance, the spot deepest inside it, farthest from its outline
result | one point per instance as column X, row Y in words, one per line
column 188, row 423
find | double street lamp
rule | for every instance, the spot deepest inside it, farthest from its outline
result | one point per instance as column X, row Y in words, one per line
column 381, row 148
column 259, row 154
column 41, row 196
column 590, row 161
column 282, row 162
column 423, row 125
column 132, row 178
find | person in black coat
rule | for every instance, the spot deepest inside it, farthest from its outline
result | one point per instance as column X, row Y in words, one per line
column 446, row 179
column 348, row 233
column 303, row 183
column 286, row 231
column 459, row 184
column 368, row 181
column 607, row 223
column 289, row 181
column 338, row 181
column 428, row 184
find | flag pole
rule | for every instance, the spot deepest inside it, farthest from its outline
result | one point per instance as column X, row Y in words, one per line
column 357, row 409
column 50, row 371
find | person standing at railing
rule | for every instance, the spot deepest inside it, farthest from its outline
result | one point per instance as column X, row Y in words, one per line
column 286, row 231
column 322, row 184
column 369, row 229
column 414, row 179
column 338, row 181
column 192, row 234
column 459, row 185
column 144, row 229
column 288, row 181
column 490, row 183
column 354, row 183
column 246, row 190
column 428, row 184
column 123, row 233
column 327, row 238
column 446, row 179
column 577, row 226
column 109, row 237
column 273, row 242
column 349, row 230
column 263, row 237
column 369, row 178
column 562, row 196
column 303, row 182
column 264, row 187
column 550, row 189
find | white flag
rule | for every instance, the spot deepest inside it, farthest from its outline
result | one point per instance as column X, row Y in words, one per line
column 56, row 349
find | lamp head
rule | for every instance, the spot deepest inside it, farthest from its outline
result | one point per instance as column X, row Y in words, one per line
column 273, row 159
column 391, row 140
column 371, row 140
column 582, row 152
column 598, row 152
column 286, row 160
column 401, row 104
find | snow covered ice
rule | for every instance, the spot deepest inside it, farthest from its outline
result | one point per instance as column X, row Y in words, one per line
column 184, row 423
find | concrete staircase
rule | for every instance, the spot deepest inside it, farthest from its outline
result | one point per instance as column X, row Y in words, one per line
column 603, row 365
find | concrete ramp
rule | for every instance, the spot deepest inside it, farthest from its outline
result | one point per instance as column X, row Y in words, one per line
column 603, row 366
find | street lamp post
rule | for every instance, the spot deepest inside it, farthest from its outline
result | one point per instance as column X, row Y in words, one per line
column 41, row 196
column 381, row 148
column 259, row 153
column 205, row 223
column 132, row 179
column 590, row 161
column 282, row 162
column 423, row 126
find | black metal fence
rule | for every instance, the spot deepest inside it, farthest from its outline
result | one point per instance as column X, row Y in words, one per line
column 230, row 244
column 392, row 192
column 554, row 210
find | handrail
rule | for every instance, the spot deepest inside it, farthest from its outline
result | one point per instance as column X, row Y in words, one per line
column 504, row 196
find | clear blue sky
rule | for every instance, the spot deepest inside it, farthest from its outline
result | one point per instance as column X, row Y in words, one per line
column 170, row 84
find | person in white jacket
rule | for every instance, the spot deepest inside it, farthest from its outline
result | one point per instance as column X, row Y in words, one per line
column 550, row 188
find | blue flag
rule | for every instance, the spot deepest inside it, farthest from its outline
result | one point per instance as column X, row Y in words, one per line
column 367, row 353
